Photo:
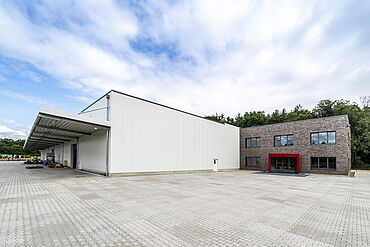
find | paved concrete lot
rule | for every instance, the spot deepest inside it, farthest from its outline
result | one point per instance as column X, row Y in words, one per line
column 62, row 207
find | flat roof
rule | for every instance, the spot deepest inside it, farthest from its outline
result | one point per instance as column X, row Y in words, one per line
column 303, row 120
column 53, row 127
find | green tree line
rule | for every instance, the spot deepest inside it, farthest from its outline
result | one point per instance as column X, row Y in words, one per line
column 359, row 118
column 10, row 146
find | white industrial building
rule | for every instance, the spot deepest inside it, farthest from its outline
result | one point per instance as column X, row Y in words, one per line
column 123, row 134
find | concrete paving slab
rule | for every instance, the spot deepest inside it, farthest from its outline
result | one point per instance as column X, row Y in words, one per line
column 64, row 207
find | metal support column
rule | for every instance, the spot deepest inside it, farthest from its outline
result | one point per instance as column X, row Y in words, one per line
column 107, row 153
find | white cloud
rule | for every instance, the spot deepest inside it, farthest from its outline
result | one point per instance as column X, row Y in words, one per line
column 6, row 132
column 81, row 98
column 10, row 128
column 233, row 56
column 26, row 97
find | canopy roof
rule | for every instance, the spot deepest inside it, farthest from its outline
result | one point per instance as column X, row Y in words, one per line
column 53, row 127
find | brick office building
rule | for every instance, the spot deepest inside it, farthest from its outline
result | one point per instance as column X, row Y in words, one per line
column 319, row 145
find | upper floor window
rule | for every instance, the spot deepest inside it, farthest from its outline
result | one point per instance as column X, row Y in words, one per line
column 284, row 140
column 254, row 142
column 321, row 138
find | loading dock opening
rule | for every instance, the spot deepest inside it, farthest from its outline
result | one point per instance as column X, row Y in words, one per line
column 71, row 133
column 283, row 162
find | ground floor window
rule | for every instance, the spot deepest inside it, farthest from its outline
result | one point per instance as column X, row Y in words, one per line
column 252, row 161
column 323, row 163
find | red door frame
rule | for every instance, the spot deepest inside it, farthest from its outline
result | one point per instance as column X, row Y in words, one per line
column 284, row 155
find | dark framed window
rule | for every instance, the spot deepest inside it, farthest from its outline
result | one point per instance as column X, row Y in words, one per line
column 323, row 138
column 323, row 163
column 283, row 140
column 290, row 140
column 331, row 137
column 252, row 161
column 254, row 142
column 332, row 163
column 314, row 138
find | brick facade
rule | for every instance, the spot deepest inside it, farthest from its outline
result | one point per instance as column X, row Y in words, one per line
column 302, row 131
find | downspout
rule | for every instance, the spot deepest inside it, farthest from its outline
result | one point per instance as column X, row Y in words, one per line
column 107, row 139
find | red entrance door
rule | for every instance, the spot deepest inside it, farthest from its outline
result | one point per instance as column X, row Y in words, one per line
column 296, row 156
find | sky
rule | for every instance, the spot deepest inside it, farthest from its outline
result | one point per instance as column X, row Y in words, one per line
column 224, row 56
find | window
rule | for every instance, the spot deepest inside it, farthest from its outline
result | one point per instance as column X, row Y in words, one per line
column 252, row 161
column 314, row 138
column 322, row 138
column 284, row 140
column 258, row 142
column 314, row 163
column 323, row 163
column 290, row 140
column 331, row 137
column 332, row 164
column 277, row 141
column 254, row 142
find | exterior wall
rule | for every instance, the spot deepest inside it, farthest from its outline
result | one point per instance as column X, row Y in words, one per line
column 67, row 153
column 147, row 137
column 58, row 150
column 301, row 131
column 92, row 152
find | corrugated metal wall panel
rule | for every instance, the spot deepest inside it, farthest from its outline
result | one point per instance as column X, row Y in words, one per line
column 146, row 137
column 92, row 150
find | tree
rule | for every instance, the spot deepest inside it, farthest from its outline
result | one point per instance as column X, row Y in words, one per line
column 217, row 118
column 365, row 101
column 10, row 146
column 299, row 113
column 324, row 108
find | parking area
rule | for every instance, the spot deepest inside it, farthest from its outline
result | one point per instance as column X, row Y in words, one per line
column 63, row 207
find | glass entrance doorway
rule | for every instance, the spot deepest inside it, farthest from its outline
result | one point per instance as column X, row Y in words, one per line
column 284, row 164
column 288, row 163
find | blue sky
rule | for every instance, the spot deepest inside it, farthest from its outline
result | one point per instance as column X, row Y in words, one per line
column 199, row 56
